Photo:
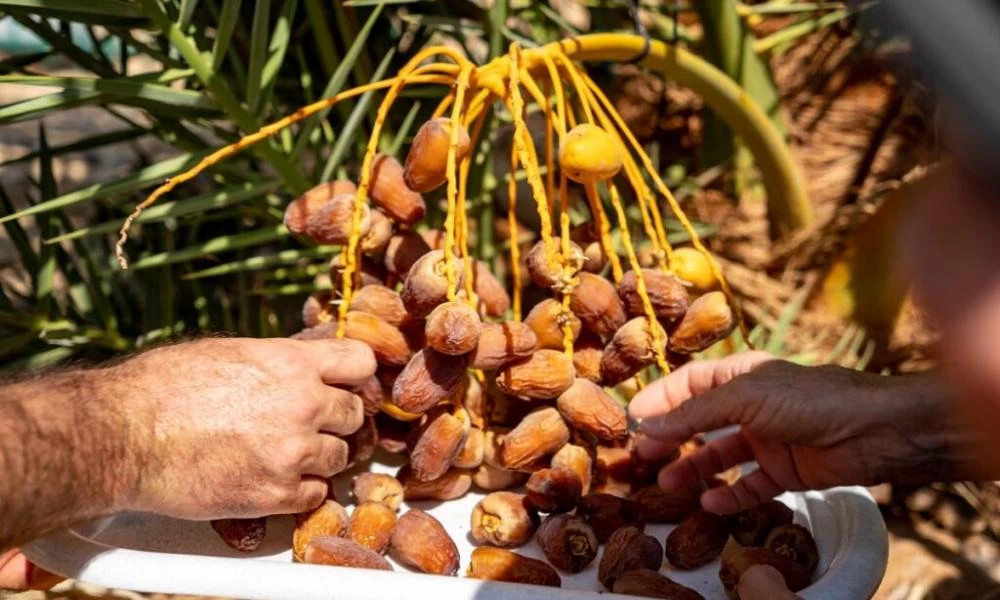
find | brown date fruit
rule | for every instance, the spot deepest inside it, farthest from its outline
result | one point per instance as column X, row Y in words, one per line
column 607, row 514
column 796, row 543
column 629, row 351
column 471, row 454
column 657, row 505
column 587, row 353
column 735, row 565
column 596, row 303
column 752, row 526
column 697, row 541
column 568, row 542
column 587, row 407
column 503, row 343
column 455, row 483
column 332, row 223
column 543, row 375
column 403, row 249
column 651, row 584
column 342, row 552
column 371, row 526
column 437, row 444
column 545, row 274
column 666, row 293
column 317, row 309
column 491, row 478
column 503, row 519
column 377, row 487
column 328, row 518
column 372, row 395
column 426, row 165
column 389, row 191
column 554, row 490
column 576, row 459
column 628, row 549
column 426, row 283
column 299, row 210
column 491, row 292
column 382, row 302
column 498, row 564
column 546, row 319
column 708, row 320
column 453, row 328
column 244, row 535
column 421, row 542
column 540, row 433
column 386, row 341
column 427, row 379
column 379, row 233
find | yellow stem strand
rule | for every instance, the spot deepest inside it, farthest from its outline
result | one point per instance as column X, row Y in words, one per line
column 261, row 134
column 659, row 343
column 674, row 207
column 461, row 87
column 604, row 231
column 364, row 182
column 463, row 227
column 515, row 248
column 525, row 149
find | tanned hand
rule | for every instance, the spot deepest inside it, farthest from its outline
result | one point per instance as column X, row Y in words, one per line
column 209, row 429
column 806, row 427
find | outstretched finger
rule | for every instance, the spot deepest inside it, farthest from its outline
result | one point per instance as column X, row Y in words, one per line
column 749, row 491
column 342, row 362
column 705, row 462
column 692, row 379
column 655, row 451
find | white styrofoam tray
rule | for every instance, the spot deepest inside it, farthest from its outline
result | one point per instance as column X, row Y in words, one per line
column 150, row 553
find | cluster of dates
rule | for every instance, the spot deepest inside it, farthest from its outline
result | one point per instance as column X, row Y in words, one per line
column 472, row 399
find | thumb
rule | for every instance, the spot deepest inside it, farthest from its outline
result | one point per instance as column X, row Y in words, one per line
column 733, row 403
column 764, row 582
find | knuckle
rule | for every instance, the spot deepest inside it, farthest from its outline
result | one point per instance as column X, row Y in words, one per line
column 311, row 496
column 359, row 353
column 337, row 461
column 307, row 409
column 297, row 453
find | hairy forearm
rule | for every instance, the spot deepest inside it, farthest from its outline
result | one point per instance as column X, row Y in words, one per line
column 66, row 451
column 923, row 437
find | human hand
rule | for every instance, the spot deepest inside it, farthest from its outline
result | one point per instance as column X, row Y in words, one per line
column 807, row 427
column 18, row 573
column 763, row 582
column 240, row 427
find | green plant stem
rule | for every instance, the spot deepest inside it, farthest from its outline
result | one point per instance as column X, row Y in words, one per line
column 798, row 30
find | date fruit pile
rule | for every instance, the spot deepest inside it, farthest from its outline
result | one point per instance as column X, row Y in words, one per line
column 476, row 397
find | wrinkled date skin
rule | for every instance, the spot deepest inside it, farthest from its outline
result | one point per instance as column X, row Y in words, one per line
column 607, row 513
column 568, row 542
column 244, row 535
column 697, row 541
column 498, row 564
column 628, row 549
